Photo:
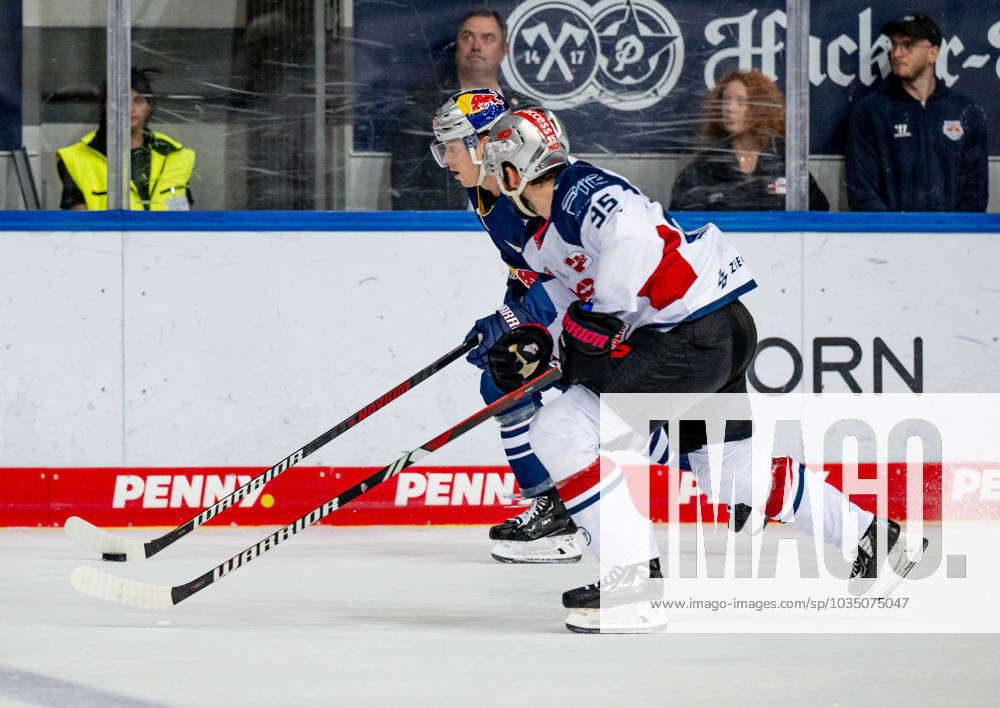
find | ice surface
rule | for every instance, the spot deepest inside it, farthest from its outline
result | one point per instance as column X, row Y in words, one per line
column 422, row 616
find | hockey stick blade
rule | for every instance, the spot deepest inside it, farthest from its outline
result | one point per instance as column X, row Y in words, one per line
column 105, row 586
column 111, row 588
column 97, row 539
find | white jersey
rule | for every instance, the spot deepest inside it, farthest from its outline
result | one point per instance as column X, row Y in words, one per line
column 607, row 243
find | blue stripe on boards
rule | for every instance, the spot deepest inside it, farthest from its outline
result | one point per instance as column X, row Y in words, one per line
column 395, row 221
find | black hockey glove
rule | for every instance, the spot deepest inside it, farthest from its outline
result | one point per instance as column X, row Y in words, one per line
column 520, row 355
column 586, row 343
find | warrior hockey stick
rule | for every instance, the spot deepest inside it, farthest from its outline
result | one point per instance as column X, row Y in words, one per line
column 119, row 548
column 106, row 586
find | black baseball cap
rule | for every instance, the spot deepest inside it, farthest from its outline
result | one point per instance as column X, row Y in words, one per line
column 915, row 26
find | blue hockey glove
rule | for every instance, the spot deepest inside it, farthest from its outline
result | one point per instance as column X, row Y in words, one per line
column 490, row 329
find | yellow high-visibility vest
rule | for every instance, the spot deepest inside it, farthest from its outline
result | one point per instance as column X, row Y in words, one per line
column 170, row 170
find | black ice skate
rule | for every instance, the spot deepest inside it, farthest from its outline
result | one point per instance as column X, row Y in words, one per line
column 880, row 576
column 542, row 533
column 624, row 601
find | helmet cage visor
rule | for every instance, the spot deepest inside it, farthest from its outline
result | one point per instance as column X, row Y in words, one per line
column 441, row 148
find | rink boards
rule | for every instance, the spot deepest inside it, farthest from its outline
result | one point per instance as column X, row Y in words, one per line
column 151, row 365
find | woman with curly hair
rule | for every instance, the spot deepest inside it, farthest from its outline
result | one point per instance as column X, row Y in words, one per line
column 741, row 166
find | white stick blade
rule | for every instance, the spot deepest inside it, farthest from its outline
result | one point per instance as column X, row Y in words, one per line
column 111, row 588
column 97, row 539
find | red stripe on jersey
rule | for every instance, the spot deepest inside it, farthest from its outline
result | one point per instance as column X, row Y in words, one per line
column 673, row 277
column 538, row 234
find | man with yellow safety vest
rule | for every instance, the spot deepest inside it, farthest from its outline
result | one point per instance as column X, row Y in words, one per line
column 160, row 166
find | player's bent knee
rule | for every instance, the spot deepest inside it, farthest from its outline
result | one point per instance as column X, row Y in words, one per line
column 561, row 448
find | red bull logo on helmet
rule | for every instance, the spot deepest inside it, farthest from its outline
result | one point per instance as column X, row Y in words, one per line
column 482, row 101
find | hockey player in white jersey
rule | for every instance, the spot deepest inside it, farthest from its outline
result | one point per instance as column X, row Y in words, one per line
column 644, row 307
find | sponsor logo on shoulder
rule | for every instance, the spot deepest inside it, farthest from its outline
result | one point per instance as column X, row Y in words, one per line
column 587, row 185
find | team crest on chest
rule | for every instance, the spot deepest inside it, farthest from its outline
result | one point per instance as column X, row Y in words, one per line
column 585, row 289
column 578, row 261
column 953, row 129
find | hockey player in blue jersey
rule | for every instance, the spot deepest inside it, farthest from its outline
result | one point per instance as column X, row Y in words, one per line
column 645, row 307
column 544, row 532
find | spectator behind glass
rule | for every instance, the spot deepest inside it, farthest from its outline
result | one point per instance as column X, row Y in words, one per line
column 417, row 181
column 915, row 145
column 741, row 166
column 160, row 166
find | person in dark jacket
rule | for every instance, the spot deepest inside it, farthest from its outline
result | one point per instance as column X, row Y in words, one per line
column 742, row 164
column 915, row 145
column 417, row 181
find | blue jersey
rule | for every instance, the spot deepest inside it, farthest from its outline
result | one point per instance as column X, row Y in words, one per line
column 506, row 229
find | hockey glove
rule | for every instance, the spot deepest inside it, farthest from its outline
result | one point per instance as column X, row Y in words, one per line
column 520, row 355
column 586, row 343
column 490, row 329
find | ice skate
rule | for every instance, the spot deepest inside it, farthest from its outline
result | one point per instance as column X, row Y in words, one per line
column 542, row 533
column 623, row 602
column 877, row 576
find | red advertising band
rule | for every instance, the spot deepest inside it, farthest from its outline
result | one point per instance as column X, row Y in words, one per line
column 106, row 586
column 87, row 535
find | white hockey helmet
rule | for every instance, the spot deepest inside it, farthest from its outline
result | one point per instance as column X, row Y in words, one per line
column 530, row 140
column 465, row 116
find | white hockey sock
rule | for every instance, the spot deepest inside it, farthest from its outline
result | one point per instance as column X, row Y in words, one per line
column 603, row 508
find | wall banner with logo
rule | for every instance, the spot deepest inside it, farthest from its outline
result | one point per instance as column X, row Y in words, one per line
column 629, row 76
column 122, row 497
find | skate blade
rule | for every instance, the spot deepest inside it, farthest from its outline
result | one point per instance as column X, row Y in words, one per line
column 634, row 618
column 898, row 576
column 884, row 586
column 558, row 549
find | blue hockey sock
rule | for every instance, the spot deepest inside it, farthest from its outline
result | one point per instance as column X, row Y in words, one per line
column 531, row 475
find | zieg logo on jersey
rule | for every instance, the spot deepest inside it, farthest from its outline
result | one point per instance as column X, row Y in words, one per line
column 164, row 491
column 454, row 488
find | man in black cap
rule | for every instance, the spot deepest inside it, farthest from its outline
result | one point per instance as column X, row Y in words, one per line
column 915, row 145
